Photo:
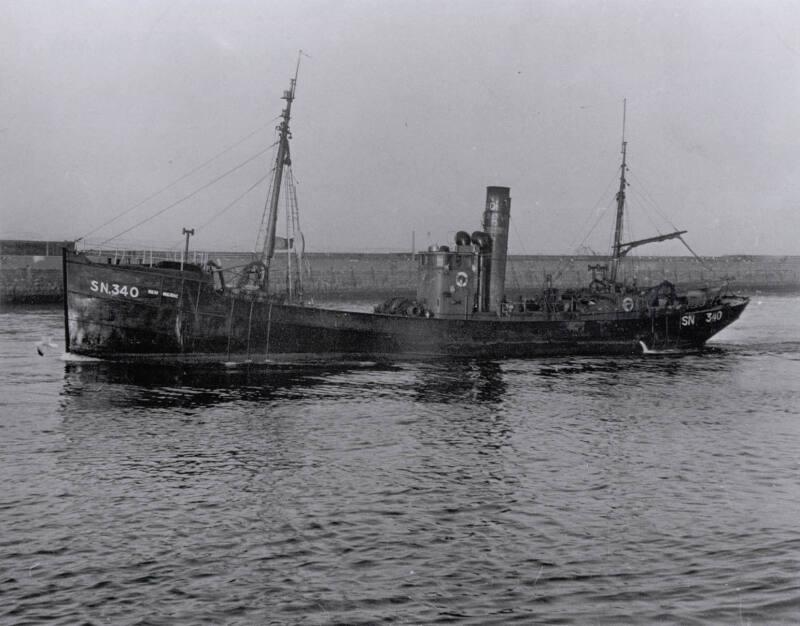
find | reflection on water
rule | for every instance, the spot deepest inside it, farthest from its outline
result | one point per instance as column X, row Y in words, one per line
column 459, row 382
column 92, row 384
column 577, row 490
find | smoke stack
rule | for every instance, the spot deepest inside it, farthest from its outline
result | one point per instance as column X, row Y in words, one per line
column 495, row 222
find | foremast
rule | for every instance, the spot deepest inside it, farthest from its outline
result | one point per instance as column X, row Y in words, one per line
column 282, row 159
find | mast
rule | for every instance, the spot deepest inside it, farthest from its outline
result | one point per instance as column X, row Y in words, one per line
column 617, row 253
column 623, row 248
column 281, row 159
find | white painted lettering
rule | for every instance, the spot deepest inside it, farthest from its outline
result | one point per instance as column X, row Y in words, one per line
column 115, row 289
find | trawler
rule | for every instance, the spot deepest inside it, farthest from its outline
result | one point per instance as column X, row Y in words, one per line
column 203, row 313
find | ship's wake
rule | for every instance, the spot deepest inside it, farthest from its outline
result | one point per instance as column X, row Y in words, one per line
column 665, row 351
column 70, row 357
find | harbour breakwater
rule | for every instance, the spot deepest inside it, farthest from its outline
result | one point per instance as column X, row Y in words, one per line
column 30, row 271
column 359, row 275
column 31, row 274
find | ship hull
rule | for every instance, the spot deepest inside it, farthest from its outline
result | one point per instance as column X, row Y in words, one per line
column 135, row 313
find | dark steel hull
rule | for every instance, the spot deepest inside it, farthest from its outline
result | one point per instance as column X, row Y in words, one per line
column 136, row 313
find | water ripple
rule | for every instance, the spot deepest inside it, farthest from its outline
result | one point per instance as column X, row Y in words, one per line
column 557, row 491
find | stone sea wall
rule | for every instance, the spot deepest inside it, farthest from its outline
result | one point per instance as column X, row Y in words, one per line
column 385, row 274
column 30, row 271
column 36, row 278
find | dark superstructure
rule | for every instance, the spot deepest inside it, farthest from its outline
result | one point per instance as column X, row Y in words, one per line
column 191, row 313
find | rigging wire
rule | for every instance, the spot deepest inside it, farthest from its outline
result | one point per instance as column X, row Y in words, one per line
column 627, row 230
column 519, row 239
column 643, row 194
column 646, row 212
column 235, row 201
column 228, row 207
column 176, row 181
column 190, row 195
column 646, row 195
column 595, row 206
column 697, row 258
column 510, row 263
column 514, row 277
column 563, row 264
column 262, row 228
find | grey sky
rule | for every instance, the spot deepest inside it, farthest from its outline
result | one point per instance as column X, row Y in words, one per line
column 405, row 112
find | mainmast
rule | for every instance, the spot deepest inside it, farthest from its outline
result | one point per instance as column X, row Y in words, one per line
column 621, row 249
column 282, row 159
column 617, row 252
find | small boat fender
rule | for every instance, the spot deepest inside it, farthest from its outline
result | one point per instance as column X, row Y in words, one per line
column 627, row 304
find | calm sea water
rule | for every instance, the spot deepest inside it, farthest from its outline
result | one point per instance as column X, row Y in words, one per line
column 543, row 491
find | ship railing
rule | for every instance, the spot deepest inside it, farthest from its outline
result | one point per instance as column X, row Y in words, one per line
column 231, row 262
column 147, row 257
